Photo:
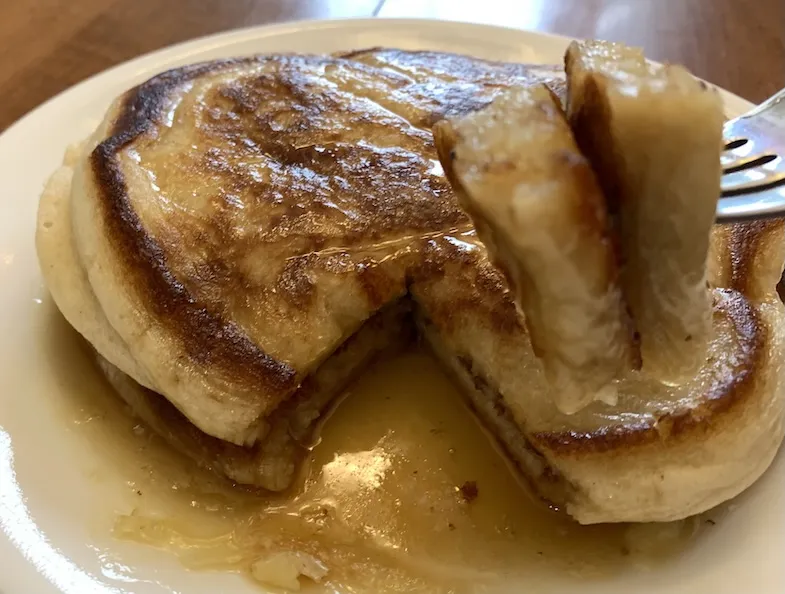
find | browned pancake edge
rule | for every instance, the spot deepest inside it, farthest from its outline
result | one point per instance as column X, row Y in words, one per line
column 199, row 330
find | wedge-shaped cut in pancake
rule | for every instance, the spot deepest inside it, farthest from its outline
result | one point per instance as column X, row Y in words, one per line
column 663, row 452
column 538, row 209
column 241, row 238
column 654, row 136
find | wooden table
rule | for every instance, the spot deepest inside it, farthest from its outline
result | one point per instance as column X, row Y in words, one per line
column 48, row 45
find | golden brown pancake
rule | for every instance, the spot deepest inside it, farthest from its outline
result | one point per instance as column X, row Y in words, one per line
column 231, row 226
column 293, row 197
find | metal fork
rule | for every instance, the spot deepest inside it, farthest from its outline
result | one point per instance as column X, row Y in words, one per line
column 753, row 164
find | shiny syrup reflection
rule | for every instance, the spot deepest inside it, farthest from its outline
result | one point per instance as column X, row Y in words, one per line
column 381, row 504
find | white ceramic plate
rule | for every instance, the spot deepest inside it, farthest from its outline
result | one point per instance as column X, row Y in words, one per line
column 53, row 484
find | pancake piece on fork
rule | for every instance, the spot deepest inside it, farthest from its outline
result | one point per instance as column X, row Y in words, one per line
column 537, row 207
column 654, row 136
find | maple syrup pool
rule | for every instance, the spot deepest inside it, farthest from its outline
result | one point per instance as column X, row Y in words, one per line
column 403, row 493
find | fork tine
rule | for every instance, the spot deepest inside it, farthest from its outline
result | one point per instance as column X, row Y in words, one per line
column 757, row 205
column 734, row 143
column 753, row 163
column 730, row 165
column 752, row 180
column 761, row 171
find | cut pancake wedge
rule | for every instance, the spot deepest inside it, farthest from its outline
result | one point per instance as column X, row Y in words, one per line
column 537, row 207
column 272, row 461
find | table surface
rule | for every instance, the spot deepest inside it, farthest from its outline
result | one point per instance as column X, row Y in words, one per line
column 51, row 44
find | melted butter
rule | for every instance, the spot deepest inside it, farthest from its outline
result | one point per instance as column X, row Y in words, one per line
column 380, row 504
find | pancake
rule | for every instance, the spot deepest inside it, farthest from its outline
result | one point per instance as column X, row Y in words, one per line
column 234, row 230
column 230, row 291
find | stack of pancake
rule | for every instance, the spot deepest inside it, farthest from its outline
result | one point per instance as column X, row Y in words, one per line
column 239, row 239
